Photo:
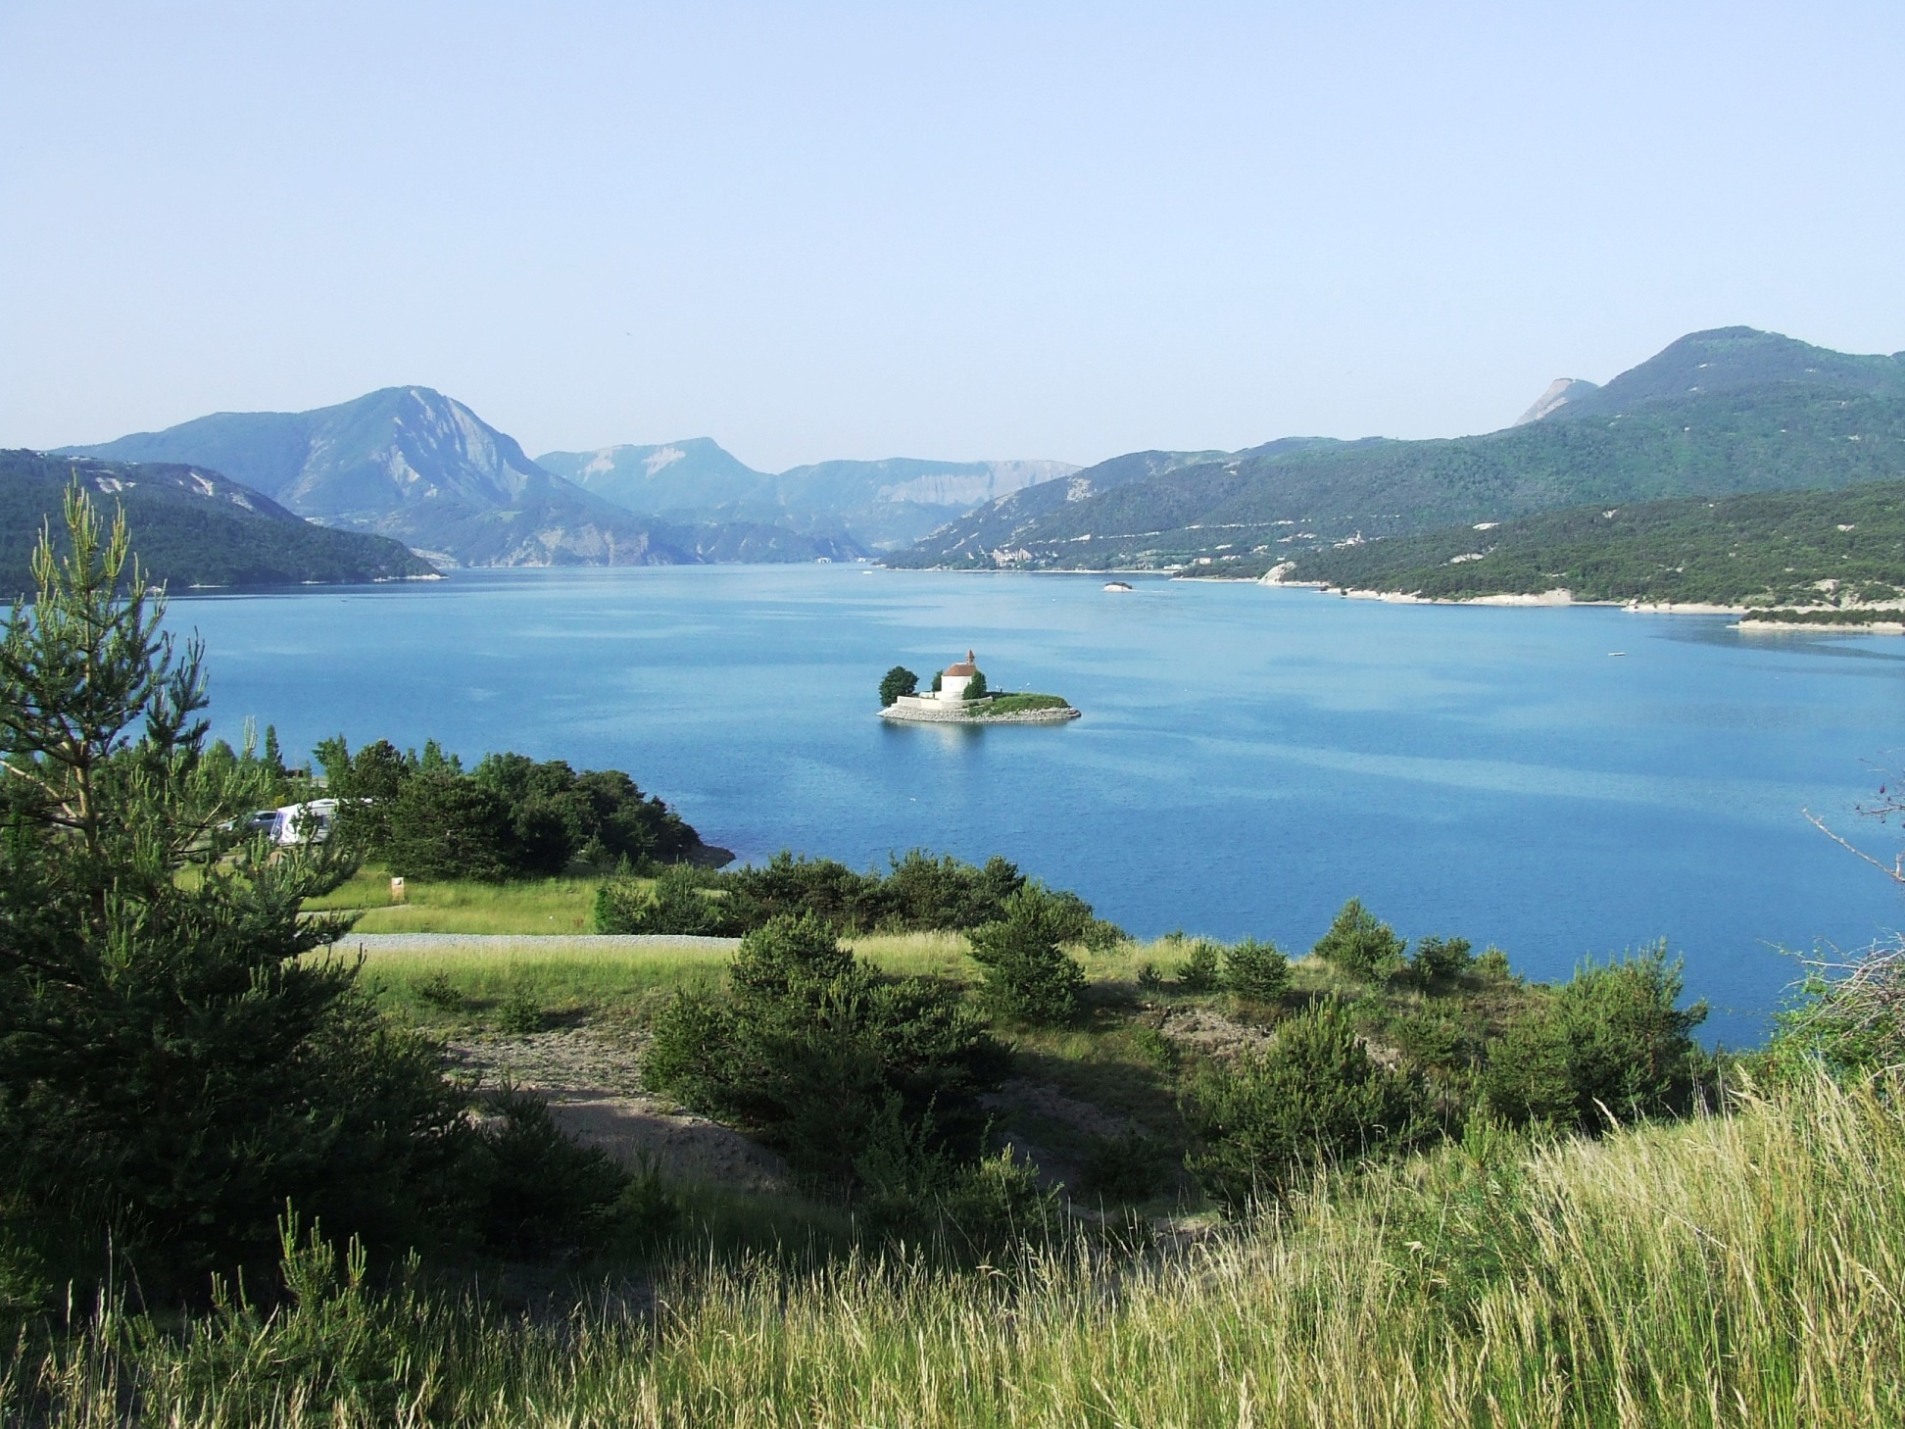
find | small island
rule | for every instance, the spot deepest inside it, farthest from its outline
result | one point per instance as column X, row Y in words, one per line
column 959, row 695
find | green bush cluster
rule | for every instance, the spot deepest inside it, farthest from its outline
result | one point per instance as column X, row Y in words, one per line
column 815, row 1051
column 510, row 817
column 918, row 893
column 1436, row 962
column 1313, row 1098
column 1257, row 971
column 1610, row 1044
column 1201, row 969
column 1029, row 978
column 1360, row 944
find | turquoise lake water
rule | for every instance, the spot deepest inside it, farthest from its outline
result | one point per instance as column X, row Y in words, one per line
column 1248, row 757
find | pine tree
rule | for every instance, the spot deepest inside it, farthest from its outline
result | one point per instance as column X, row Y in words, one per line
column 172, row 1067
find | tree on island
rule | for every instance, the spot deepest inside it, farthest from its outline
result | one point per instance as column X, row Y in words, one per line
column 976, row 686
column 897, row 681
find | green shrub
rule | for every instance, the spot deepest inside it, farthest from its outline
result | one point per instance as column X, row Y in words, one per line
column 917, row 1191
column 1609, row 1043
column 1150, row 976
column 1157, row 1049
column 542, row 1193
column 1257, row 971
column 1130, row 1166
column 646, row 1213
column 1314, row 1097
column 676, row 904
column 1436, row 962
column 1438, row 1041
column 923, row 893
column 440, row 991
column 520, row 1014
column 1492, row 966
column 1028, row 977
column 1468, row 1225
column 808, row 1047
column 1360, row 945
column 1202, row 968
column 787, row 886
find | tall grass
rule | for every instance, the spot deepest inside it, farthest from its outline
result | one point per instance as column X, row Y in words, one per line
column 464, row 984
column 1744, row 1270
column 546, row 905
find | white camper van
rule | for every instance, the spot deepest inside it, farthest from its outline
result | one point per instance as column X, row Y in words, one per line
column 304, row 823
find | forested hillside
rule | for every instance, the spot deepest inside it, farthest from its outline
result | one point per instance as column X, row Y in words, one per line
column 194, row 527
column 1785, row 548
column 1715, row 414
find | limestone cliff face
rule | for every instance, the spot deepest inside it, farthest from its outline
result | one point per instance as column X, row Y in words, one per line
column 1560, row 392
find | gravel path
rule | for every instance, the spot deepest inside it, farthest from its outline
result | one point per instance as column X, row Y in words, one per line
column 504, row 942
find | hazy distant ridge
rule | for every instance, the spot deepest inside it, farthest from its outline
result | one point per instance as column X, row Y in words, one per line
column 1715, row 413
column 881, row 503
column 411, row 463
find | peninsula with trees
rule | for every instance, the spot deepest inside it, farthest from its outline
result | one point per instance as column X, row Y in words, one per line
column 960, row 695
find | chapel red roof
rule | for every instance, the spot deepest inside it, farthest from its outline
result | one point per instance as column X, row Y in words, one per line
column 964, row 667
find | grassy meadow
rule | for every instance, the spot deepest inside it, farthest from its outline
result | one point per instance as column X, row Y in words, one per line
column 1745, row 1268
column 1727, row 1271
column 534, row 906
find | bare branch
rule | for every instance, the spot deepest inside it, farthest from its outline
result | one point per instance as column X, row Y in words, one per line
column 1894, row 871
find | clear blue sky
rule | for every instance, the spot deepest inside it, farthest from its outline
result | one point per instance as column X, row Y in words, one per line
column 975, row 230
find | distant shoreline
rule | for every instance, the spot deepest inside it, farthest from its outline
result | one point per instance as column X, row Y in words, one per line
column 1751, row 617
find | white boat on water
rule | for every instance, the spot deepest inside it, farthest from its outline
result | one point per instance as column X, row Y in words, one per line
column 1118, row 587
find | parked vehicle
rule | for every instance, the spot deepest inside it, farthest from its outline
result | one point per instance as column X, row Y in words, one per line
column 307, row 823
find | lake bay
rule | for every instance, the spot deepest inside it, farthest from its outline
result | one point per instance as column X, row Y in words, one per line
column 1248, row 757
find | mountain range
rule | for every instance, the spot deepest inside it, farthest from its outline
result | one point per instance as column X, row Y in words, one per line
column 190, row 527
column 410, row 463
column 415, row 465
column 881, row 504
column 1716, row 413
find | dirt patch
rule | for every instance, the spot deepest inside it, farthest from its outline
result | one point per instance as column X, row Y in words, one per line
column 593, row 1084
column 641, row 1131
column 1039, row 1115
column 1042, row 1100
column 1211, row 1034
